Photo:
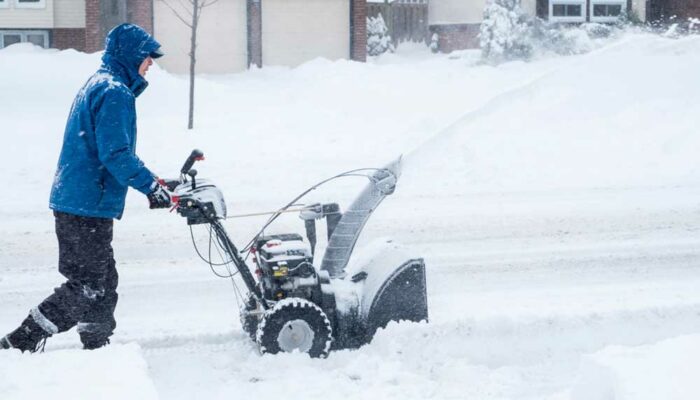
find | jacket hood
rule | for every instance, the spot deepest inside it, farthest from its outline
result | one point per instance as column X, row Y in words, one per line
column 126, row 47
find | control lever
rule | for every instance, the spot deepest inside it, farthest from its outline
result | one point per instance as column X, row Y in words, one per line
column 197, row 155
column 192, row 173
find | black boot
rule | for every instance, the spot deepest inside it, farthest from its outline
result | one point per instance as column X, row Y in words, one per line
column 92, row 342
column 95, row 335
column 28, row 337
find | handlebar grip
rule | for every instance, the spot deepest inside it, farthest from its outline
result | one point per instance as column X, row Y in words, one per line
column 170, row 184
column 197, row 155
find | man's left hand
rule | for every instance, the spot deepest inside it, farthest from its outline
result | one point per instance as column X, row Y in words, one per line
column 159, row 197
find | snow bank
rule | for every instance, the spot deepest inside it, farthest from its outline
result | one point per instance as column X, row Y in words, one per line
column 666, row 370
column 118, row 372
column 600, row 120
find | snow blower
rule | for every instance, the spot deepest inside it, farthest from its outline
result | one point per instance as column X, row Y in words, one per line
column 297, row 301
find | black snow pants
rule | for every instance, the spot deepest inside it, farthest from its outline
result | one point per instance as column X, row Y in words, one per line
column 89, row 296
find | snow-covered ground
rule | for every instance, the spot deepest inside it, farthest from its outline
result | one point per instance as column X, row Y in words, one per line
column 556, row 202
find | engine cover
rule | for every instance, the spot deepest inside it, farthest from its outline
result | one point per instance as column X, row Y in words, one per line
column 286, row 265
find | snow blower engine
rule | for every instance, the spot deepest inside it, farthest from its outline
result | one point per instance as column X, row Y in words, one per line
column 297, row 301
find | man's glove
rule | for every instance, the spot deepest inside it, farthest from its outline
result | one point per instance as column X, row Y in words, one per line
column 159, row 197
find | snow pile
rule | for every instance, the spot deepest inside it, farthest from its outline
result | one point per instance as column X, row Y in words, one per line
column 591, row 122
column 666, row 370
column 117, row 372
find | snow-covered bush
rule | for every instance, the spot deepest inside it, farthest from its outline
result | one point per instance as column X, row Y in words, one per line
column 435, row 43
column 673, row 32
column 505, row 32
column 560, row 39
column 694, row 26
column 691, row 26
column 597, row 31
column 378, row 38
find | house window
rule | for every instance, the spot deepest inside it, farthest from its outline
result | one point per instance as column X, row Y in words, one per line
column 30, row 3
column 567, row 10
column 10, row 39
column 606, row 10
column 39, row 38
column 4, row 3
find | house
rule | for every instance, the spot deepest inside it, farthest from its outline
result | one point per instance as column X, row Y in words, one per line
column 590, row 10
column 232, row 34
column 457, row 22
column 673, row 9
column 236, row 34
column 64, row 24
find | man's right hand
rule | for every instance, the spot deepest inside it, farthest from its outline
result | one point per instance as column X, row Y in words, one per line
column 159, row 197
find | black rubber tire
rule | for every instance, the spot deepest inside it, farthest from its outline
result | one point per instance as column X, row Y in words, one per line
column 292, row 309
column 250, row 322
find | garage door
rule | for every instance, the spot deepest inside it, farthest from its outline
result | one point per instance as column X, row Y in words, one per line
column 221, row 37
column 296, row 31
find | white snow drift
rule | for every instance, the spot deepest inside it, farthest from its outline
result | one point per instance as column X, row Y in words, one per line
column 666, row 370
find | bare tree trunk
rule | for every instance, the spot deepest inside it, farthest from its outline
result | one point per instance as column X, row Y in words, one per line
column 197, row 6
column 193, row 59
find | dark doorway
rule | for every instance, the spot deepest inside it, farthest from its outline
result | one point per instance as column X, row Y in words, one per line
column 657, row 10
column 542, row 9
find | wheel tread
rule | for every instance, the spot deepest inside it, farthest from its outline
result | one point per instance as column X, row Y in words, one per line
column 294, row 302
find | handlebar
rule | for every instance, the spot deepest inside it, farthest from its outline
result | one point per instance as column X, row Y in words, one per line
column 197, row 155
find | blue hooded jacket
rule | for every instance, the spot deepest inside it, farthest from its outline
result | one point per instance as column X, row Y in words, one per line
column 98, row 160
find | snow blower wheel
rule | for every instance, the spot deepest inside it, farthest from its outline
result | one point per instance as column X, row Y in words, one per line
column 295, row 324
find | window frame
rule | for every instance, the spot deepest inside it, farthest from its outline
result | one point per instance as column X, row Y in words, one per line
column 568, row 18
column 5, row 3
column 621, row 3
column 33, row 5
column 566, row 8
column 2, row 37
column 23, row 36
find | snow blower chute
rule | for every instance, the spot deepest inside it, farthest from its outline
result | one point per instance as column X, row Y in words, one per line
column 297, row 303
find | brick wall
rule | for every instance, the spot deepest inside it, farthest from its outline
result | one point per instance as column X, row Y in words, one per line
column 358, row 33
column 456, row 36
column 140, row 12
column 93, row 37
column 68, row 38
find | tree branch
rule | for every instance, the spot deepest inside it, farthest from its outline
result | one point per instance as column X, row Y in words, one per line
column 177, row 14
column 208, row 3
column 185, row 7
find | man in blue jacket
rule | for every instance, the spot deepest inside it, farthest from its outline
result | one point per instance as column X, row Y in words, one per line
column 96, row 166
